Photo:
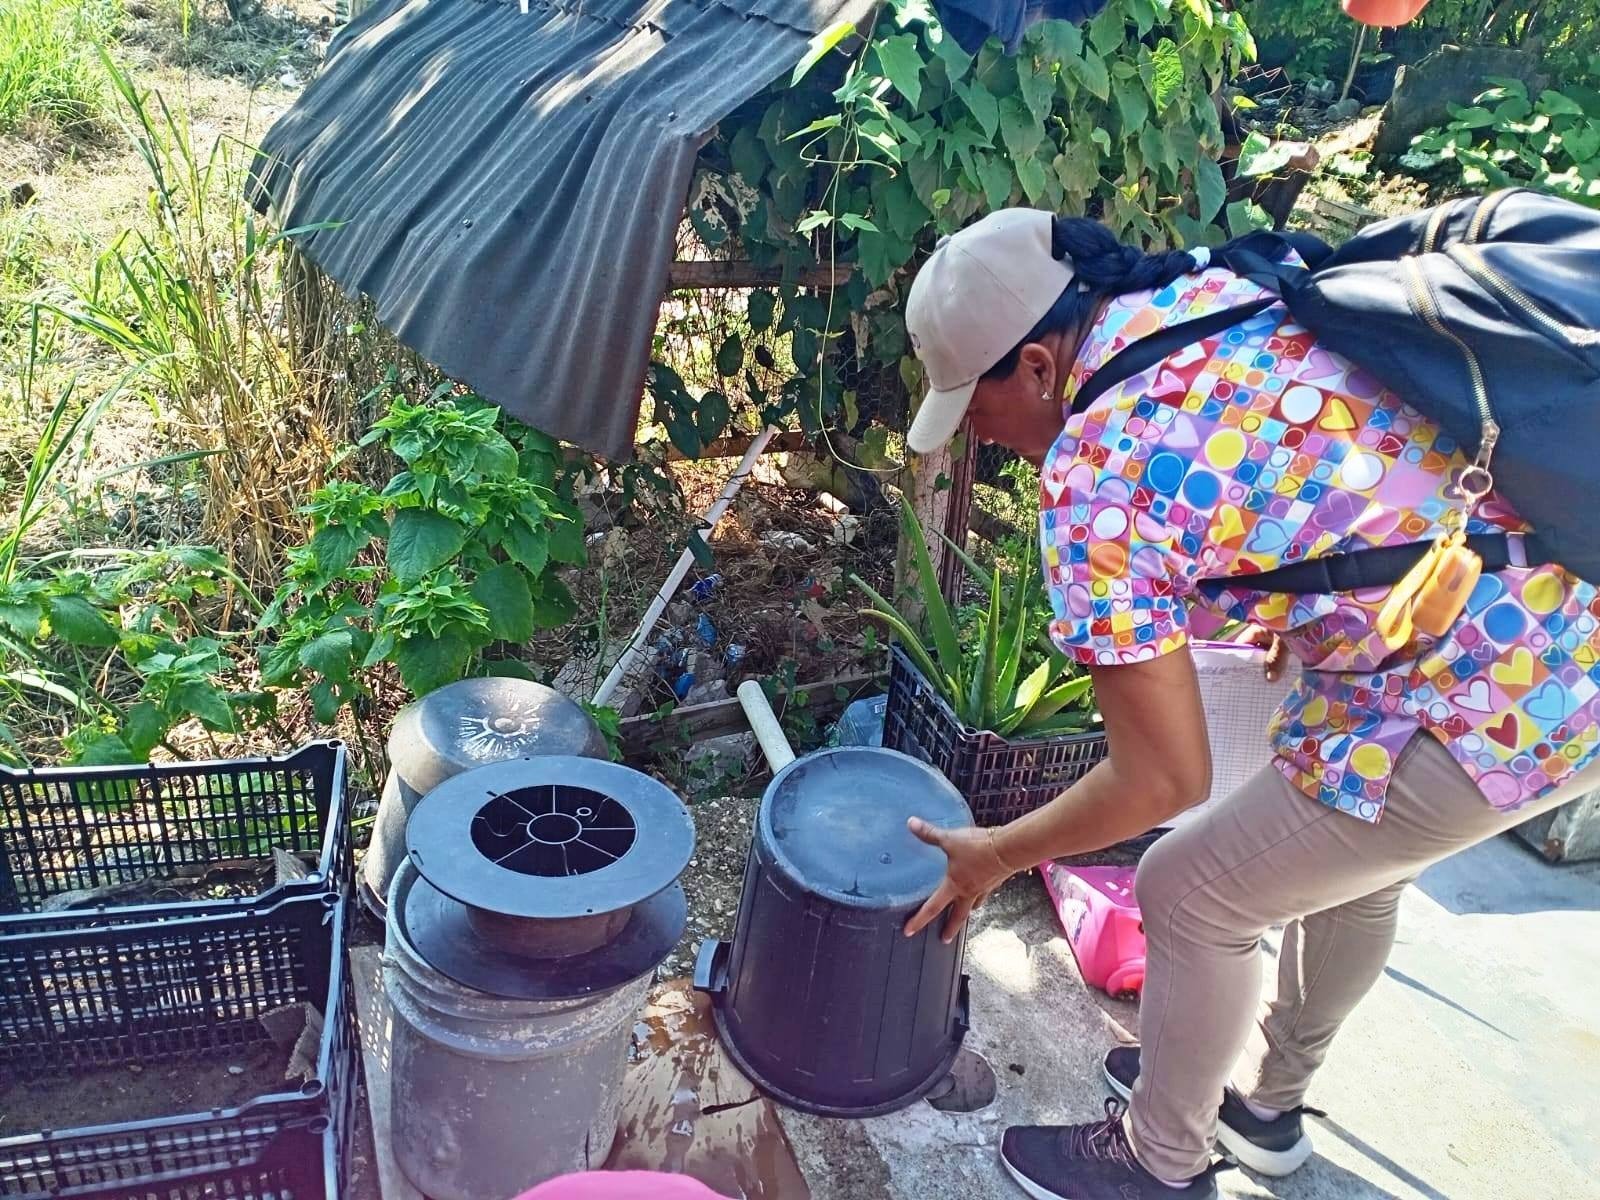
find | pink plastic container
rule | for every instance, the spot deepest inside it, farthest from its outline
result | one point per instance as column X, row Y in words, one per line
column 1101, row 920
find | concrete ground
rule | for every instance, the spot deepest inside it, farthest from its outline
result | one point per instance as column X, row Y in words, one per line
column 1472, row 1071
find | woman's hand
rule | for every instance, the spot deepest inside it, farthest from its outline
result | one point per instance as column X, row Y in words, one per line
column 973, row 869
column 1254, row 635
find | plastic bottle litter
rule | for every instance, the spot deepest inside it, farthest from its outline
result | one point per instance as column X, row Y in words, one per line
column 735, row 654
column 862, row 722
column 685, row 681
column 705, row 630
column 703, row 589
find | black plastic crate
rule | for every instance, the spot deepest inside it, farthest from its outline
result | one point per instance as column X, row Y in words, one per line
column 180, row 987
column 65, row 829
column 1001, row 779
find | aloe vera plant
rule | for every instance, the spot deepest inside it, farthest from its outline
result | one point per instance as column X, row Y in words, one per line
column 980, row 675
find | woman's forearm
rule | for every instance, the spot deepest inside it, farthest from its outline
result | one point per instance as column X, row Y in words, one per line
column 1100, row 810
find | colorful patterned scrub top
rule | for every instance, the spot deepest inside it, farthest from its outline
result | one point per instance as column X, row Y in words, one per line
column 1258, row 448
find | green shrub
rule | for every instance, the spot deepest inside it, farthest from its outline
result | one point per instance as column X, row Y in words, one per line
column 1509, row 139
column 472, row 531
column 50, row 66
column 992, row 664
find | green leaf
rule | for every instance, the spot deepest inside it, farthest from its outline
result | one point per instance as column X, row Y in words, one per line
column 1053, row 701
column 206, row 702
column 1211, row 189
column 1558, row 105
column 496, row 458
column 504, row 591
column 421, row 541
column 1133, row 102
column 957, row 62
column 1471, row 118
column 901, row 61
column 332, row 655
column 75, row 621
column 325, row 701
column 1091, row 69
column 566, row 536
column 529, row 547
column 22, row 618
column 981, row 103
column 761, row 306
column 995, row 176
column 819, row 47
column 554, row 606
column 1031, row 172
column 1258, row 156
column 903, row 212
column 510, row 668
column 814, row 220
column 940, row 621
column 711, row 416
column 143, row 728
column 1038, row 85
column 1019, row 129
column 1169, row 76
column 1245, row 217
column 427, row 662
column 335, row 547
column 730, row 356
column 749, row 160
column 858, row 223
column 981, row 690
column 105, row 750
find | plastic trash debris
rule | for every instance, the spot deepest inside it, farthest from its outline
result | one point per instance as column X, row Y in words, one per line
column 1098, row 911
column 845, row 529
column 685, row 681
column 786, row 541
column 735, row 654
column 703, row 589
column 705, row 630
column 861, row 724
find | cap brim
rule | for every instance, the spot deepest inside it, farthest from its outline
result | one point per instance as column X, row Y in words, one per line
column 939, row 418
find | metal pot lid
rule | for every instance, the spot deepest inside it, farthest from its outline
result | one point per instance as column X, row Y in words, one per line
column 836, row 823
column 443, row 933
column 476, row 721
column 550, row 838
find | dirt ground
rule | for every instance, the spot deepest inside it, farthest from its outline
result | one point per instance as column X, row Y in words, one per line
column 105, row 1095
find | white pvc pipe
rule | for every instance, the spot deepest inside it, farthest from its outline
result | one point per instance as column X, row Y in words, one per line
column 765, row 725
column 681, row 568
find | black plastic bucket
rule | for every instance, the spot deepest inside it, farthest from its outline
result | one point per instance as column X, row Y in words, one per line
column 820, row 998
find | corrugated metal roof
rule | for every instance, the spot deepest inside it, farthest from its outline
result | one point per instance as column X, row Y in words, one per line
column 510, row 184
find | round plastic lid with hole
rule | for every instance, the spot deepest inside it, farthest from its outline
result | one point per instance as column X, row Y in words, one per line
column 550, row 838
column 471, row 722
column 835, row 822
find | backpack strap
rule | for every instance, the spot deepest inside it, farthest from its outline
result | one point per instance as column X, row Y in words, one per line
column 1138, row 357
column 1383, row 566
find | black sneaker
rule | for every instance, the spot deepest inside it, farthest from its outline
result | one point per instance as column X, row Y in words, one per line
column 1090, row 1162
column 1275, row 1147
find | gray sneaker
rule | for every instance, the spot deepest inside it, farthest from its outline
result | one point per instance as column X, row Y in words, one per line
column 1277, row 1147
column 1090, row 1162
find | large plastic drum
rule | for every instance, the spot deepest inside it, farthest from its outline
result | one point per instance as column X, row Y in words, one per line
column 820, row 997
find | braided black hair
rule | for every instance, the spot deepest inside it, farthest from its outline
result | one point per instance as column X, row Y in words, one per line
column 1102, row 267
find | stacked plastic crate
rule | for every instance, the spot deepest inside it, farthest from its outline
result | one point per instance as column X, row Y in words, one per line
column 86, row 984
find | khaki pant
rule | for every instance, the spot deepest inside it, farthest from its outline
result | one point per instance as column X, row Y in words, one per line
column 1270, row 854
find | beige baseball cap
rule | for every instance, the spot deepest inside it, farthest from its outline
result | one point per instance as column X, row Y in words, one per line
column 975, row 298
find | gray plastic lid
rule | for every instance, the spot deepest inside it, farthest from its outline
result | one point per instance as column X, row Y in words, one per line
column 472, row 722
column 835, row 821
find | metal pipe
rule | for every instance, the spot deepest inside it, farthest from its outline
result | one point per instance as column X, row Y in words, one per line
column 765, row 725
column 681, row 568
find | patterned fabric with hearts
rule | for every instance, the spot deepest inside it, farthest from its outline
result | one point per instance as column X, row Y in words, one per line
column 1259, row 448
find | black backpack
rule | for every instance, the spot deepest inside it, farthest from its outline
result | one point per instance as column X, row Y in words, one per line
column 1484, row 314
